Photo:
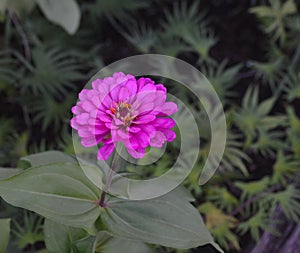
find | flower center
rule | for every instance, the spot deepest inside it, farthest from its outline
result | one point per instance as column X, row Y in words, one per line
column 123, row 112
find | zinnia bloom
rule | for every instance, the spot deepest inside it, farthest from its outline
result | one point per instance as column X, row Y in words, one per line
column 123, row 109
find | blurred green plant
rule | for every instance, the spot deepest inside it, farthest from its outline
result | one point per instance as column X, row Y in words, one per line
column 274, row 17
column 253, row 120
column 29, row 232
column 220, row 225
column 256, row 224
column 288, row 200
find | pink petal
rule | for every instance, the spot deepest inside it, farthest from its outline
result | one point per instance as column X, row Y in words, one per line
column 160, row 98
column 168, row 108
column 96, row 83
column 157, row 140
column 148, row 129
column 98, row 129
column 83, row 95
column 119, row 135
column 105, row 151
column 106, row 102
column 89, row 141
column 141, row 83
column 169, row 134
column 77, row 110
column 84, row 133
column 164, row 122
column 143, row 139
column 96, row 101
column 145, row 97
column 133, row 143
column 123, row 94
column 118, row 74
column 131, row 85
column 82, row 118
column 161, row 87
column 134, row 129
column 145, row 107
column 74, row 123
column 104, row 117
column 136, row 153
column 114, row 93
column 144, row 119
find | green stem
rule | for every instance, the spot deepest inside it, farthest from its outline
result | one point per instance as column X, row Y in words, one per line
column 109, row 179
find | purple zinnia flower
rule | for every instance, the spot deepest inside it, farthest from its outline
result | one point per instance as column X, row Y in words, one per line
column 123, row 109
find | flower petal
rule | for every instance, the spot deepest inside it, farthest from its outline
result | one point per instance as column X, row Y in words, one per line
column 143, row 139
column 105, row 151
column 136, row 153
column 90, row 141
column 123, row 94
column 157, row 140
column 144, row 119
column 168, row 108
column 82, row 118
column 169, row 134
column 164, row 122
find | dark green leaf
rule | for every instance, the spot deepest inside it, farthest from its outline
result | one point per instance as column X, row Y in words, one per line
column 65, row 13
column 8, row 172
column 4, row 234
column 168, row 220
column 60, row 192
column 61, row 238
column 48, row 157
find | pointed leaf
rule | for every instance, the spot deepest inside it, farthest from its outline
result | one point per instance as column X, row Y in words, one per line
column 266, row 106
column 128, row 246
column 168, row 220
column 4, row 234
column 60, row 192
column 65, row 13
column 47, row 157
column 8, row 172
column 93, row 173
column 61, row 238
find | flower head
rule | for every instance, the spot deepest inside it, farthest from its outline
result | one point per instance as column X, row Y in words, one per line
column 123, row 109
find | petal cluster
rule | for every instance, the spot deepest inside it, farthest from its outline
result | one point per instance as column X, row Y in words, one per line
column 123, row 109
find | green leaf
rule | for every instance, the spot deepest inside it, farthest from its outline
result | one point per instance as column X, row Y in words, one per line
column 255, row 224
column 61, row 238
column 93, row 173
column 65, row 13
column 105, row 243
column 60, row 192
column 285, row 168
column 4, row 234
column 168, row 220
column 128, row 246
column 265, row 107
column 252, row 188
column 289, row 201
column 84, row 245
column 8, row 172
column 47, row 157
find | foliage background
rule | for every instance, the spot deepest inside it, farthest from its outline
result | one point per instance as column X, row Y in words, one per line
column 250, row 52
